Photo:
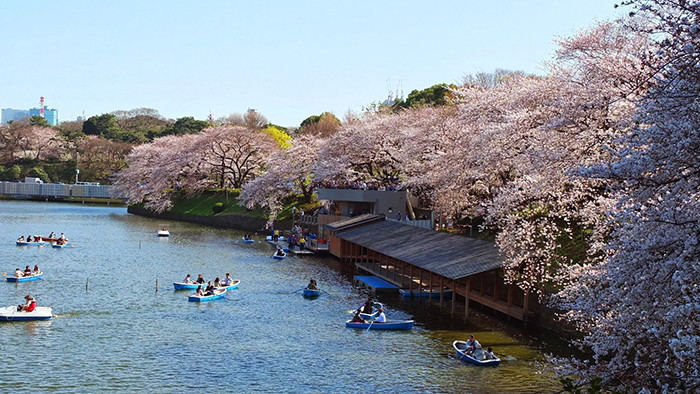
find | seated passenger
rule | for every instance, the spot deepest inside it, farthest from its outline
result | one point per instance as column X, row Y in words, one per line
column 36, row 270
column 27, row 271
column 357, row 318
column 30, row 238
column 200, row 279
column 52, row 235
column 227, row 280
column 199, row 292
column 29, row 306
column 209, row 290
column 381, row 318
column 18, row 273
column 20, row 239
column 312, row 285
column 217, row 282
column 188, row 279
column 489, row 354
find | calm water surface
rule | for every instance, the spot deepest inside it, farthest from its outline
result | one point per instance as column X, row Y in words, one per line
column 124, row 334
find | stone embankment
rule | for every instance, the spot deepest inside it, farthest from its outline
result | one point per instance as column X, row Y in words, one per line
column 239, row 222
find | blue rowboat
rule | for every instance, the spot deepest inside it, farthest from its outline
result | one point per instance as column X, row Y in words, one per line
column 191, row 286
column 218, row 293
column 22, row 243
column 248, row 241
column 389, row 325
column 278, row 256
column 477, row 358
column 232, row 286
column 55, row 245
column 309, row 293
column 24, row 278
column 10, row 313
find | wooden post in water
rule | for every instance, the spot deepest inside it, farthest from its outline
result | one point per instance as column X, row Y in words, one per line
column 156, row 285
column 87, row 284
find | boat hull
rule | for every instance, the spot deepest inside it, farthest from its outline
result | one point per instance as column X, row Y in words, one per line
column 389, row 325
column 24, row 278
column 59, row 246
column 162, row 233
column 21, row 243
column 425, row 293
column 461, row 347
column 10, row 313
column 248, row 241
column 278, row 257
column 189, row 286
column 308, row 293
column 232, row 286
column 219, row 293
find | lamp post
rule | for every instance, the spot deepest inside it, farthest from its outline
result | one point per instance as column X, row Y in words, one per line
column 294, row 215
column 77, row 172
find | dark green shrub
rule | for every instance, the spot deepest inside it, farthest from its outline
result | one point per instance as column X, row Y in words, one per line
column 218, row 207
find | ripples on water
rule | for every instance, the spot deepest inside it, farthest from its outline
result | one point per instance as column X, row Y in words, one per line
column 123, row 335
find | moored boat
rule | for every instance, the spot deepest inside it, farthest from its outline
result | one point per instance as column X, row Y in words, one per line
column 388, row 325
column 477, row 358
column 310, row 293
column 218, row 293
column 10, row 313
column 24, row 278
column 425, row 293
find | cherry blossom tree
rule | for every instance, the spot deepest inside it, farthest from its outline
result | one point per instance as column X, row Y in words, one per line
column 640, row 307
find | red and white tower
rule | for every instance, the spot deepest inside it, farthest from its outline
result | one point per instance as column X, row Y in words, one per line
column 41, row 106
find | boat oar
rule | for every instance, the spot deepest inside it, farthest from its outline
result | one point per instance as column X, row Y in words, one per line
column 509, row 358
column 295, row 291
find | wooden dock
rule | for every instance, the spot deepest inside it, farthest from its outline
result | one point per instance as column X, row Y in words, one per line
column 377, row 284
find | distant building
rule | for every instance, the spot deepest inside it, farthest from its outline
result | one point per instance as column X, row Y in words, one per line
column 9, row 114
column 51, row 115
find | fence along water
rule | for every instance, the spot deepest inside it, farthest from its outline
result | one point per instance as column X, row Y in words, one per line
column 57, row 190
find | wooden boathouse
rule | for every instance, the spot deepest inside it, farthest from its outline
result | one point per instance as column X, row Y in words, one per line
column 421, row 260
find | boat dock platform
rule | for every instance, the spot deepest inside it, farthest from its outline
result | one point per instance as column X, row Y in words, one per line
column 377, row 284
column 296, row 250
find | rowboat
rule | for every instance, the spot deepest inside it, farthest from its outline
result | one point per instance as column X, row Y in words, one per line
column 163, row 233
column 10, row 313
column 24, row 243
column 280, row 238
column 183, row 285
column 24, row 278
column 310, row 293
column 46, row 239
column 279, row 256
column 232, row 286
column 388, row 325
column 478, row 358
column 57, row 245
column 248, row 241
column 218, row 293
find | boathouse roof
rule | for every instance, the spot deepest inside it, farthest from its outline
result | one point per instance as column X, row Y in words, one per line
column 353, row 222
column 451, row 256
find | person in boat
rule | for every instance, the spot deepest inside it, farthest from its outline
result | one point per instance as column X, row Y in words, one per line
column 368, row 306
column 312, row 285
column 489, row 354
column 280, row 251
column 52, row 235
column 200, row 279
column 227, row 280
column 188, row 279
column 27, row 271
column 62, row 238
column 29, row 305
column 357, row 318
column 246, row 237
column 20, row 239
column 18, row 273
column 209, row 290
column 217, row 282
column 472, row 344
column 30, row 238
column 199, row 292
column 381, row 317
column 36, row 270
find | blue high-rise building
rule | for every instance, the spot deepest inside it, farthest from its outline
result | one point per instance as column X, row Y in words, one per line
column 11, row 115
column 51, row 115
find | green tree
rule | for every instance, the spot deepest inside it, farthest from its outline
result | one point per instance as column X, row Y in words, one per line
column 38, row 121
column 39, row 172
column 13, row 173
column 104, row 125
column 323, row 125
column 186, row 125
column 433, row 96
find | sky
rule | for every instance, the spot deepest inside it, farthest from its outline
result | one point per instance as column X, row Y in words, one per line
column 287, row 59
